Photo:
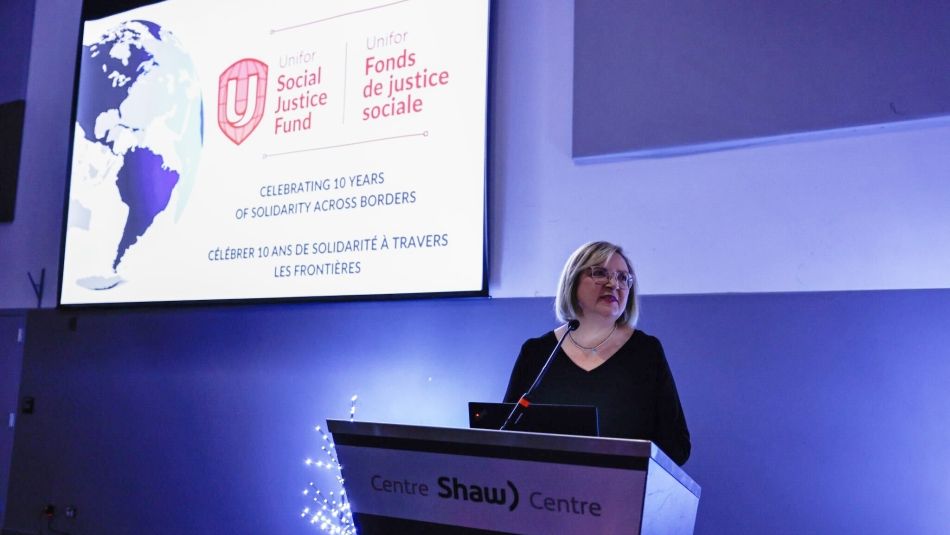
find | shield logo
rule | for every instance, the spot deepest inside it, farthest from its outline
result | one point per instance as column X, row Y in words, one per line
column 242, row 89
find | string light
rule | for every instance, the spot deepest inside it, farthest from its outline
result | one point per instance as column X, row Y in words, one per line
column 330, row 512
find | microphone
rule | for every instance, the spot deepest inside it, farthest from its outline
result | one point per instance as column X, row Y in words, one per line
column 518, row 410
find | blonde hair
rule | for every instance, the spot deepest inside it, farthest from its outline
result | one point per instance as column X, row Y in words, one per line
column 596, row 253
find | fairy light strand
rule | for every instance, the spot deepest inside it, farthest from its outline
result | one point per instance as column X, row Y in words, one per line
column 331, row 511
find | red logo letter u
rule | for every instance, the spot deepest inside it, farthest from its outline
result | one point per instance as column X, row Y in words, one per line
column 242, row 89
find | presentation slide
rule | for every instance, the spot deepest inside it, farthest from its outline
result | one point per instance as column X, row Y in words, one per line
column 235, row 150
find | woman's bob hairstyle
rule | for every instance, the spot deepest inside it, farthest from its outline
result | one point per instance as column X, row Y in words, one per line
column 596, row 253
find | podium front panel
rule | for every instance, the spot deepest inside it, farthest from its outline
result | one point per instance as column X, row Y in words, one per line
column 483, row 485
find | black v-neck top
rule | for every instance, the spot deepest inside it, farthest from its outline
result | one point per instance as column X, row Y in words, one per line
column 633, row 390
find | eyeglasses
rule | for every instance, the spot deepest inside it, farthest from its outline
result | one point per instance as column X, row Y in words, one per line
column 600, row 275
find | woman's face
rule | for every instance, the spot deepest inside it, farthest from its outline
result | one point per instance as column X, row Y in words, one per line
column 606, row 300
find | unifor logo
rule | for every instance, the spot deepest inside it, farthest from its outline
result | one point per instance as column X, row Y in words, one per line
column 242, row 89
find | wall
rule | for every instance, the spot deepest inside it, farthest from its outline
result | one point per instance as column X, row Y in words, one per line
column 198, row 421
column 12, row 329
column 860, row 212
column 809, row 412
column 31, row 243
column 16, row 25
column 707, row 74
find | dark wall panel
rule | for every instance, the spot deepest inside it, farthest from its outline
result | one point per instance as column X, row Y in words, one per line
column 11, row 141
column 669, row 77
column 810, row 413
column 16, row 27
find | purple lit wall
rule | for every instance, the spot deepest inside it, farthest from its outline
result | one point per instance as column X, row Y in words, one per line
column 851, row 213
column 31, row 243
column 820, row 410
column 11, row 360
column 16, row 26
column 697, row 75
column 809, row 412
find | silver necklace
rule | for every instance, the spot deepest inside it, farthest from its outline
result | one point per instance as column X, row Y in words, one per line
column 596, row 347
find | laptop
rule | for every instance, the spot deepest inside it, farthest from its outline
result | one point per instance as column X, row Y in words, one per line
column 538, row 418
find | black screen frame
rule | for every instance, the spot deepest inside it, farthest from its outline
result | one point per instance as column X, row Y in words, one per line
column 95, row 9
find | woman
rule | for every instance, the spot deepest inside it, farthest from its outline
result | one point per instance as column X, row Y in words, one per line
column 606, row 361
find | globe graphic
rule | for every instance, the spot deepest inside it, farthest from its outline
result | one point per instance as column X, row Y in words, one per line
column 139, row 135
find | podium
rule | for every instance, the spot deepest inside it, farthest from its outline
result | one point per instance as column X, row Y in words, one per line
column 414, row 479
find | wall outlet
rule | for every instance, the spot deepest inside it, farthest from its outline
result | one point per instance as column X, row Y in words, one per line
column 27, row 405
column 70, row 511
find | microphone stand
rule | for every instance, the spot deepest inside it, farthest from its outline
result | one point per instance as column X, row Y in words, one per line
column 518, row 410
